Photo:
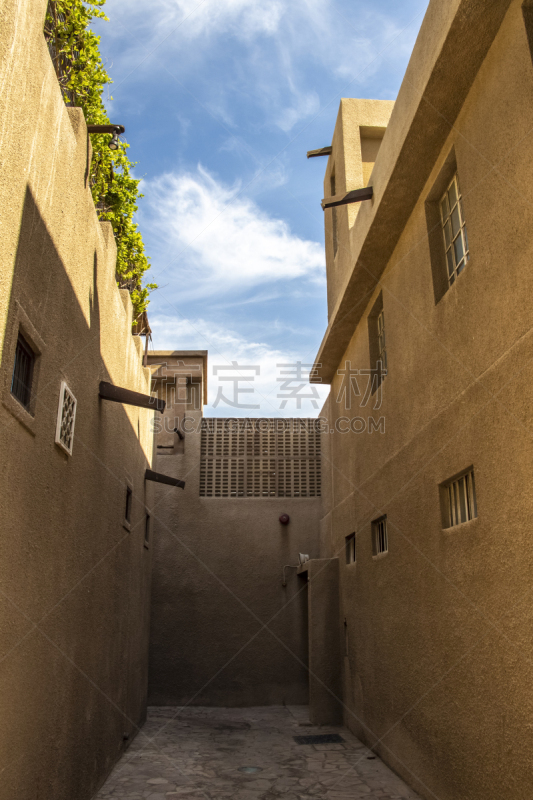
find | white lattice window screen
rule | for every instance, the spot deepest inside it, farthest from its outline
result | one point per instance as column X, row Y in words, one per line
column 66, row 417
column 250, row 458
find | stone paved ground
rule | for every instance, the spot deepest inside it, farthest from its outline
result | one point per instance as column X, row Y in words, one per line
column 200, row 753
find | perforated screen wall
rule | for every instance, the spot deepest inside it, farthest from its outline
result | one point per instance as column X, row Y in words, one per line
column 260, row 458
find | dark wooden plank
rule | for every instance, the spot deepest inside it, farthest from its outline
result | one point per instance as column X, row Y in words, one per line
column 119, row 395
column 110, row 128
column 157, row 477
column 355, row 196
column 322, row 151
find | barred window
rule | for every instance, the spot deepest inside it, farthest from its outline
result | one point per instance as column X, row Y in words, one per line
column 460, row 495
column 23, row 372
column 260, row 458
column 454, row 230
column 380, row 541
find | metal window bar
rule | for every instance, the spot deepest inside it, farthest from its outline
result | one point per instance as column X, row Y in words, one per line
column 462, row 499
column 22, row 372
column 454, row 230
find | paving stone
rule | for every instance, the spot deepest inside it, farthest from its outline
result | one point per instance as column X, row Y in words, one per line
column 197, row 753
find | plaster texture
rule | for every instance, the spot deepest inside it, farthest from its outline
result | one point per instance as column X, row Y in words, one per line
column 200, row 752
column 74, row 582
column 224, row 630
column 359, row 131
column 437, row 669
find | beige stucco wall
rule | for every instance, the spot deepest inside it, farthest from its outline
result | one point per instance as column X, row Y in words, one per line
column 74, row 583
column 224, row 631
column 356, row 141
column 437, row 674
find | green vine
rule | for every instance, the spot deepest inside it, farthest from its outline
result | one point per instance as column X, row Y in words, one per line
column 75, row 53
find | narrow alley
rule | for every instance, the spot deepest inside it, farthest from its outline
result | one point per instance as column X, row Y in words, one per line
column 247, row 754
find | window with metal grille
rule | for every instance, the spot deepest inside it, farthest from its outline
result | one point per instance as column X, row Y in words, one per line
column 23, row 372
column 460, row 499
column 260, row 458
column 454, row 230
column 66, row 417
column 350, row 549
column 380, row 541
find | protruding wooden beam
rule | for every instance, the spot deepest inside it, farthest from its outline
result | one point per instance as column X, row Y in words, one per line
column 119, row 395
column 157, row 477
column 355, row 196
column 110, row 128
column 323, row 151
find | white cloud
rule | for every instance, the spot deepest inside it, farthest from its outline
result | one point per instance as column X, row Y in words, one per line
column 269, row 46
column 221, row 240
column 305, row 106
column 242, row 18
column 226, row 346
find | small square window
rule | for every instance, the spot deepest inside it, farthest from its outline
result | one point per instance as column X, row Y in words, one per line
column 459, row 499
column 350, row 549
column 66, row 417
column 380, row 541
column 454, row 231
column 23, row 372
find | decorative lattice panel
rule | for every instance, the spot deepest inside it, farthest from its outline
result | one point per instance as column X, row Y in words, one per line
column 66, row 417
column 260, row 458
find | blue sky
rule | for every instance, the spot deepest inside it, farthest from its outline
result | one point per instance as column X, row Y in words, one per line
column 221, row 99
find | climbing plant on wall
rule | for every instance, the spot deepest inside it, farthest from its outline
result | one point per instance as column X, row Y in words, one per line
column 75, row 53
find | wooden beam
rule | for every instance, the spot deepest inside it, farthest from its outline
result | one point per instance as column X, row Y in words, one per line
column 323, row 151
column 157, row 477
column 119, row 395
column 110, row 128
column 355, row 196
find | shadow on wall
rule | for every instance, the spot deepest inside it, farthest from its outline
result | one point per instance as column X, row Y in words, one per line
column 74, row 582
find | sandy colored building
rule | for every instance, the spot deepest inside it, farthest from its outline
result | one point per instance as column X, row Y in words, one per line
column 426, row 480
column 225, row 630
column 75, row 572
column 377, row 566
